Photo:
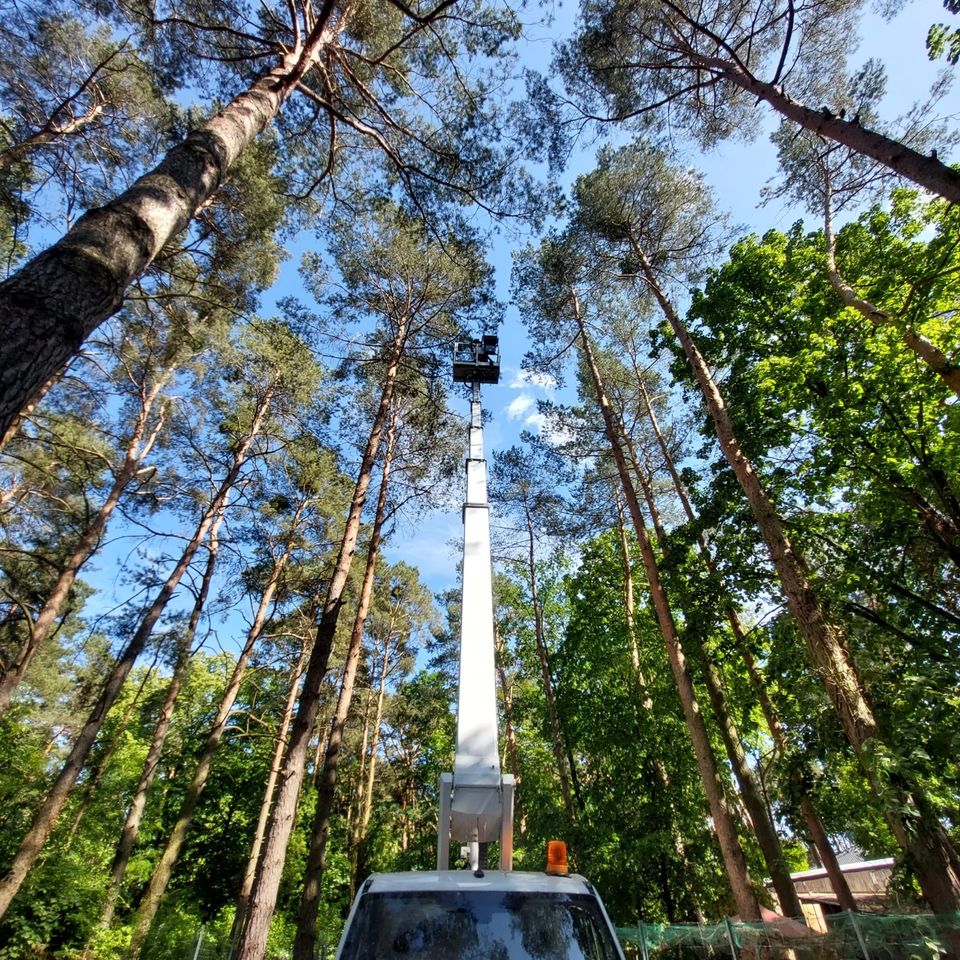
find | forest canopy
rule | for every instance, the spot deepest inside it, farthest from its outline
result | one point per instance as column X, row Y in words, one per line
column 239, row 242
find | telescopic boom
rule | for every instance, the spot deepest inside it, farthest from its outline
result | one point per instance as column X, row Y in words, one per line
column 476, row 801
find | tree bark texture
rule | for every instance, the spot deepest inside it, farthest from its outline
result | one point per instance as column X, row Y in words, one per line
column 926, row 171
column 56, row 797
column 18, row 421
column 163, row 871
column 138, row 448
column 54, row 302
column 305, row 941
column 919, row 834
column 733, row 857
column 131, row 824
column 253, row 939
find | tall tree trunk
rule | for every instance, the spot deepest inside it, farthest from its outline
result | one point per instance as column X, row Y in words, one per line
column 163, row 871
column 917, row 830
column 138, row 448
column 811, row 818
column 253, row 939
column 756, row 809
column 645, row 475
column 355, row 807
column 730, row 848
column 131, row 825
column 305, row 942
column 243, row 899
column 371, row 771
column 559, row 754
column 924, row 170
column 53, row 303
column 759, row 817
column 56, row 797
column 509, row 729
column 643, row 693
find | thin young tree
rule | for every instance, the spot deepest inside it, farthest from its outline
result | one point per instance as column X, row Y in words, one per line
column 528, row 489
column 151, row 764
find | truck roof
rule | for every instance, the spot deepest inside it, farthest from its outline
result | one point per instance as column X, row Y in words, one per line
column 456, row 880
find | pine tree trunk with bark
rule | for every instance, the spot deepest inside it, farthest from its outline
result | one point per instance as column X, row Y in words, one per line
column 163, row 871
column 305, row 941
column 731, row 851
column 21, row 418
column 253, row 939
column 766, row 835
column 918, row 832
column 642, row 689
column 924, row 170
column 54, row 302
column 243, row 898
column 759, row 817
column 56, row 797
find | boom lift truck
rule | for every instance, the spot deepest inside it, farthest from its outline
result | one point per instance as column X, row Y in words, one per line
column 475, row 913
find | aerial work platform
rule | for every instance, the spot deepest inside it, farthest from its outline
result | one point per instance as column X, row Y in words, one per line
column 476, row 801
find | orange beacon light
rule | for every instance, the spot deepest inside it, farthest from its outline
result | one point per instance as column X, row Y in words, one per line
column 556, row 857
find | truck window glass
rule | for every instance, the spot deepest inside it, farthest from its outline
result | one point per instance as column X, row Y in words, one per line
column 481, row 925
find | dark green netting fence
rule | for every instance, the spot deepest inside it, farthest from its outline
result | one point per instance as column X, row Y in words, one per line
column 851, row 936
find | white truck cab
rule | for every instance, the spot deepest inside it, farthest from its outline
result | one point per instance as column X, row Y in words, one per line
column 460, row 915
column 477, row 914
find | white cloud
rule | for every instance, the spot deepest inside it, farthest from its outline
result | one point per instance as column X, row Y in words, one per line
column 552, row 434
column 519, row 406
column 525, row 378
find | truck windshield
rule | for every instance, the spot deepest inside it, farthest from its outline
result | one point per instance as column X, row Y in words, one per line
column 481, row 925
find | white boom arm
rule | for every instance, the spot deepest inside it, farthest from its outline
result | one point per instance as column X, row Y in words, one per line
column 476, row 802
